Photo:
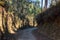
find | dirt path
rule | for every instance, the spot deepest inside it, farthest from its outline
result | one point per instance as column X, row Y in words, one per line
column 26, row 34
column 29, row 34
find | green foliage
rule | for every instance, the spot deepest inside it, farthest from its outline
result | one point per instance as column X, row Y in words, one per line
column 24, row 7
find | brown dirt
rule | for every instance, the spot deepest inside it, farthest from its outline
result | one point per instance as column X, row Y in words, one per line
column 40, row 36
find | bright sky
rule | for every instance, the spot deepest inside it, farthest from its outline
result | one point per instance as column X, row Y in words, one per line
column 49, row 1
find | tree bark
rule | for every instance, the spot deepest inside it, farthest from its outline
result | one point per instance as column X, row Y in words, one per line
column 46, row 2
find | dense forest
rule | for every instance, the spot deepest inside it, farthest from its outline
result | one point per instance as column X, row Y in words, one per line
column 20, row 14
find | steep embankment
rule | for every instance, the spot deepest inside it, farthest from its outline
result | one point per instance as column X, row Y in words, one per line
column 49, row 22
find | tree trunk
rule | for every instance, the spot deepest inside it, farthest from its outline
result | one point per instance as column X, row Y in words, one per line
column 46, row 2
column 41, row 5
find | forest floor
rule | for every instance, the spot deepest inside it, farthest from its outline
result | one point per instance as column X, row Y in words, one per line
column 39, row 36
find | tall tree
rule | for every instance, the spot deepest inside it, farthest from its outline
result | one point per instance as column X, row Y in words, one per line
column 46, row 2
column 41, row 4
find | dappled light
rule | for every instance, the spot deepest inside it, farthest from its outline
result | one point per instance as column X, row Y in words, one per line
column 29, row 20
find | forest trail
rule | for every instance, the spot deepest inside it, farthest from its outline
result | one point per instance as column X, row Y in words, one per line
column 26, row 34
